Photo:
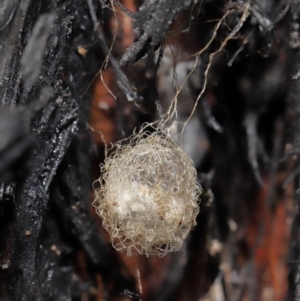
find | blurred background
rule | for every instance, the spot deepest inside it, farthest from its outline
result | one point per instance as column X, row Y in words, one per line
column 231, row 68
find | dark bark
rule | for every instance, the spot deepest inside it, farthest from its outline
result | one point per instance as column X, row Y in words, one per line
column 44, row 81
column 248, row 114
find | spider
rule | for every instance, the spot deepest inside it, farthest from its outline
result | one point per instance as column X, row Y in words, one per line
column 151, row 23
column 150, row 14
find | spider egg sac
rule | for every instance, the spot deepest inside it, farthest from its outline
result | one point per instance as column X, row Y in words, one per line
column 148, row 196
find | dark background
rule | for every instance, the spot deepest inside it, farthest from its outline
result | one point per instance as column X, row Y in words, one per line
column 243, row 138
